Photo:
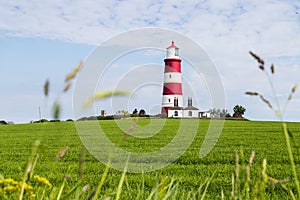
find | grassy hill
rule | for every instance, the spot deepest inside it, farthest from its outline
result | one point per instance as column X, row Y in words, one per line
column 189, row 171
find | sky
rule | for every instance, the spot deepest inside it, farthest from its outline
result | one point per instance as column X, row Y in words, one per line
column 45, row 40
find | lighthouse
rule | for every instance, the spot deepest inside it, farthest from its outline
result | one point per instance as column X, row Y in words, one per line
column 172, row 89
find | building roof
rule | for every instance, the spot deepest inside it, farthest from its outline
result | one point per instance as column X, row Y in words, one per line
column 175, row 108
column 190, row 108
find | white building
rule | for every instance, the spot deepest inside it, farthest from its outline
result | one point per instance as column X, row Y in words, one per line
column 188, row 112
column 204, row 114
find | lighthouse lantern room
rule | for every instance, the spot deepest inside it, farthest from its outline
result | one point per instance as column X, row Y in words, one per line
column 172, row 90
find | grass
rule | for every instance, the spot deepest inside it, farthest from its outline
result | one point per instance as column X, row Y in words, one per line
column 188, row 176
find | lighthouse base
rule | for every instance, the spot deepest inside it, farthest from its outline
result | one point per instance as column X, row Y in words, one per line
column 164, row 111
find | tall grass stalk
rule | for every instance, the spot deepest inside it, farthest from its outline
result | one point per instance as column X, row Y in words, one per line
column 279, row 114
column 119, row 190
column 95, row 197
column 30, row 167
column 291, row 157
column 61, row 189
column 206, row 187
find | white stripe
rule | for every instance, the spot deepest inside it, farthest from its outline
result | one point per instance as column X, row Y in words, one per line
column 172, row 77
column 168, row 100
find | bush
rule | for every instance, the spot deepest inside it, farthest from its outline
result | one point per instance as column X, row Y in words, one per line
column 108, row 117
column 41, row 121
column 55, row 120
column 2, row 122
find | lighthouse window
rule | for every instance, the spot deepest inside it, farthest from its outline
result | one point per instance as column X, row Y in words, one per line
column 169, row 100
column 176, row 113
column 169, row 75
column 190, row 113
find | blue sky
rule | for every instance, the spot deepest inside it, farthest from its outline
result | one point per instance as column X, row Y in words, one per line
column 42, row 40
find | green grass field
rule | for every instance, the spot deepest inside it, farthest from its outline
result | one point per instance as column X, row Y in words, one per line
column 189, row 171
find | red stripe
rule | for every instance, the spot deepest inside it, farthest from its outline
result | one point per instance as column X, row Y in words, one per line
column 172, row 65
column 172, row 88
column 164, row 110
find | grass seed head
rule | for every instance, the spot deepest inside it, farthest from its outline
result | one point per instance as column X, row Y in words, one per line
column 280, row 182
column 67, row 87
column 104, row 95
column 259, row 60
column 261, row 67
column 266, row 101
column 46, row 88
column 74, row 72
column 294, row 89
column 252, row 93
column 56, row 109
column 85, row 188
column 67, row 176
column 62, row 153
column 251, row 157
column 272, row 69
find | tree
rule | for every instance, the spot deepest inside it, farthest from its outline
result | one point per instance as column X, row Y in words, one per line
column 218, row 113
column 122, row 113
column 135, row 112
column 238, row 111
column 224, row 113
column 142, row 113
column 3, row 122
column 228, row 115
column 214, row 113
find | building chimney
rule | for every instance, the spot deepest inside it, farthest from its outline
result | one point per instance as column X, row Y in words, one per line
column 189, row 101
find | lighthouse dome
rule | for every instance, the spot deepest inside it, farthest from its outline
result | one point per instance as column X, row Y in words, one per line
column 172, row 51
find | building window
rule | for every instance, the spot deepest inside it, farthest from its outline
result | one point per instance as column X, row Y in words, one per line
column 169, row 75
column 176, row 113
column 190, row 113
column 169, row 100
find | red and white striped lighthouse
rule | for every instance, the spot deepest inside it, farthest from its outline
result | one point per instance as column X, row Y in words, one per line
column 172, row 91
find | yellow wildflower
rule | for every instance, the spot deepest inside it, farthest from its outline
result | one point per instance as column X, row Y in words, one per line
column 11, row 181
column 10, row 186
column 28, row 187
column 9, row 189
column 42, row 180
